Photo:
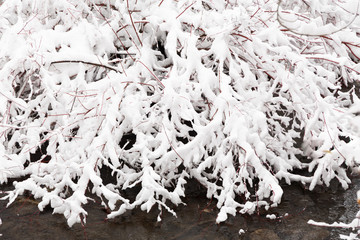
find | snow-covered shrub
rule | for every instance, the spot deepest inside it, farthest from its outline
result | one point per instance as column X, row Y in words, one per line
column 157, row 92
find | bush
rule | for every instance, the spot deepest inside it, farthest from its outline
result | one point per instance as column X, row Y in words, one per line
column 157, row 92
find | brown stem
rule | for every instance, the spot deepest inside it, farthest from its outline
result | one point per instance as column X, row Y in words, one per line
column 85, row 62
column 132, row 22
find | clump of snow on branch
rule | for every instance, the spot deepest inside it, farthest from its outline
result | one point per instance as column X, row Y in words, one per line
column 157, row 92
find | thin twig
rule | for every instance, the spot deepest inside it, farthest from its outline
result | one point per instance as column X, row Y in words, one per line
column 278, row 17
column 121, row 42
column 157, row 79
column 86, row 62
column 171, row 144
column 185, row 10
column 160, row 3
column 132, row 23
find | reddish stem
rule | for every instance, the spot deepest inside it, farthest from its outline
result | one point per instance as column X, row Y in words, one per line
column 184, row 10
column 132, row 22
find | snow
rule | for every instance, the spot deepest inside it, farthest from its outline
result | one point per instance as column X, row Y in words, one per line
column 218, row 91
column 353, row 225
column 271, row 216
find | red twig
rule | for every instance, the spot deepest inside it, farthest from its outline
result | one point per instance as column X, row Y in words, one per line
column 334, row 62
column 263, row 22
column 332, row 138
column 160, row 3
column 243, row 36
column 350, row 49
column 12, row 100
column 214, row 115
column 27, row 23
column 288, row 12
column 118, row 38
column 146, row 84
column 89, row 63
column 185, row 10
column 84, row 228
column 132, row 22
column 254, row 13
column 206, row 207
column 171, row 144
column 151, row 72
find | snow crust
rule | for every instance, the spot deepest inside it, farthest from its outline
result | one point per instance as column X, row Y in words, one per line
column 157, row 92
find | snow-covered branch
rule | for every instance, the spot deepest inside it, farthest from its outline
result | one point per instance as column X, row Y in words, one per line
column 157, row 92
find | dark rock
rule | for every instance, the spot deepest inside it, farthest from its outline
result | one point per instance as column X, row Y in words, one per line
column 310, row 233
column 317, row 234
column 263, row 234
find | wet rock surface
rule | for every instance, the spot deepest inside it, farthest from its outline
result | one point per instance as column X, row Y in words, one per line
column 196, row 220
column 262, row 234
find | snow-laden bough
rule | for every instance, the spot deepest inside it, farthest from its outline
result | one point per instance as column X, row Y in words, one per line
column 98, row 97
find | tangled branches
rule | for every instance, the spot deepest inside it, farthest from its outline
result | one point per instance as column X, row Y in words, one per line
column 157, row 92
